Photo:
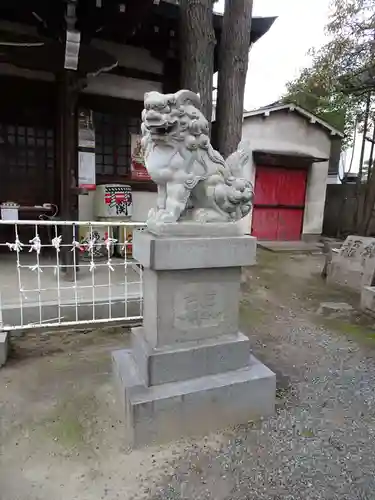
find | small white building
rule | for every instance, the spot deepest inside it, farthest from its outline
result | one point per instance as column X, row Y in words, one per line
column 292, row 149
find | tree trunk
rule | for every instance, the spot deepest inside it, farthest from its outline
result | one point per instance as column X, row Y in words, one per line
column 233, row 62
column 368, row 208
column 360, row 192
column 369, row 195
column 371, row 158
column 197, row 44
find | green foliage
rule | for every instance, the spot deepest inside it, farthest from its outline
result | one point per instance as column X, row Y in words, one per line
column 352, row 28
column 317, row 90
column 335, row 84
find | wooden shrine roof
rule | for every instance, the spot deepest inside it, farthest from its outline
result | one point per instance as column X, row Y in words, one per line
column 141, row 23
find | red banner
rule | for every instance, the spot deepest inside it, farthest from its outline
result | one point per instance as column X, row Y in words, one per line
column 138, row 168
column 139, row 172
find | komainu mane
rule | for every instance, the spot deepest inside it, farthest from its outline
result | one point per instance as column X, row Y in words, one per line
column 194, row 182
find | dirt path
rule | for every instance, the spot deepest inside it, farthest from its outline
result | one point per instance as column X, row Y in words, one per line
column 61, row 438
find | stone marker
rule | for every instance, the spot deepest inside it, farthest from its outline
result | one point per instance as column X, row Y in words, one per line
column 353, row 265
column 368, row 300
column 329, row 249
column 4, row 347
column 190, row 370
column 335, row 309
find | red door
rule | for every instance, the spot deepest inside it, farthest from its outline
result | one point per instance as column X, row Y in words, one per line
column 279, row 200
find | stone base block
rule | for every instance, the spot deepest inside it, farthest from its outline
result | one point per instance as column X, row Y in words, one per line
column 354, row 265
column 189, row 359
column 190, row 228
column 345, row 273
column 169, row 411
column 163, row 253
column 368, row 300
column 4, row 347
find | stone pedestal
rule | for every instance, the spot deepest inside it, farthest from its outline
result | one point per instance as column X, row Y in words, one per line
column 353, row 266
column 4, row 348
column 189, row 370
column 368, row 300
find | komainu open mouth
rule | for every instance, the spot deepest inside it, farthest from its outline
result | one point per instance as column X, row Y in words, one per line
column 162, row 129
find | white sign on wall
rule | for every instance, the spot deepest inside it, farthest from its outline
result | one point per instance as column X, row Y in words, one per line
column 86, row 131
column 86, row 150
column 86, row 170
column 9, row 211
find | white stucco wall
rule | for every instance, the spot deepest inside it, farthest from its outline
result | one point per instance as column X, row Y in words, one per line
column 287, row 132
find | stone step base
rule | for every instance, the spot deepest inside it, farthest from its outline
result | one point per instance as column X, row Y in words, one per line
column 192, row 407
column 368, row 300
column 4, row 348
column 186, row 360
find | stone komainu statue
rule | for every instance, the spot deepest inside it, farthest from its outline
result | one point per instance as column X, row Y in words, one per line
column 194, row 182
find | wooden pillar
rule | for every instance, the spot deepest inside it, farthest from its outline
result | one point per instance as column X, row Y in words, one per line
column 67, row 160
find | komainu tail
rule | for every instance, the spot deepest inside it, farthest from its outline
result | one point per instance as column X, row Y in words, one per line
column 235, row 196
column 238, row 160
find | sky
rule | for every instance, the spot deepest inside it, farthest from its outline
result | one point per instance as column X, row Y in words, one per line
column 279, row 56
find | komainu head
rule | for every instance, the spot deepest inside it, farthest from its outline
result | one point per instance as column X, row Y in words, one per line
column 169, row 118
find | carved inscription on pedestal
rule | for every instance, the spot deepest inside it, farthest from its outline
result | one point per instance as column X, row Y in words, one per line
column 354, row 265
column 199, row 305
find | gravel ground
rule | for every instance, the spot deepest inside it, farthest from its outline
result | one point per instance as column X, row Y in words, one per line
column 319, row 445
column 321, row 442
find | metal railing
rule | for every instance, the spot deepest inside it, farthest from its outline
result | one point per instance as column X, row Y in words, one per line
column 67, row 273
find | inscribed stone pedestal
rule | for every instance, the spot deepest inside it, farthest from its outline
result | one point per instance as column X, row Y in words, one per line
column 190, row 370
column 353, row 265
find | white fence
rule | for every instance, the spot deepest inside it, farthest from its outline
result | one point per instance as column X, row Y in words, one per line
column 66, row 273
